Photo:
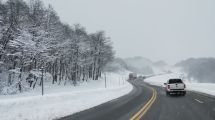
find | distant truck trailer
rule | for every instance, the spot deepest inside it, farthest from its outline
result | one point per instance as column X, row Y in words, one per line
column 132, row 76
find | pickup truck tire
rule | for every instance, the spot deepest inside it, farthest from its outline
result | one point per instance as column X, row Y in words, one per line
column 184, row 93
column 167, row 93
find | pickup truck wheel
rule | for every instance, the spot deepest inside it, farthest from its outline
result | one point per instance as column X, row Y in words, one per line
column 167, row 93
column 184, row 93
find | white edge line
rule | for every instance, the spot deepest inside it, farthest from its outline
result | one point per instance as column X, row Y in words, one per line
column 198, row 101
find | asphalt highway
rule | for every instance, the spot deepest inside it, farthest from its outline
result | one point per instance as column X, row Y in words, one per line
column 147, row 102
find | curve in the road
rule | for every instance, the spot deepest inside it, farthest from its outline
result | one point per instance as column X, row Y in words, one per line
column 122, row 108
column 145, row 108
column 157, row 106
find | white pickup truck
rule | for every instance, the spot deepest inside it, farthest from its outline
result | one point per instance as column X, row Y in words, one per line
column 175, row 86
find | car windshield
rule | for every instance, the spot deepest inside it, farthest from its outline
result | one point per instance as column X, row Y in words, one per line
column 175, row 81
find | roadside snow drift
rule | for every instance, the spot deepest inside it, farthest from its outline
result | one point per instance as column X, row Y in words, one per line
column 208, row 88
column 65, row 102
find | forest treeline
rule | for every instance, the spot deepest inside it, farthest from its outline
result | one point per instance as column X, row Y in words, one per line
column 200, row 69
column 33, row 41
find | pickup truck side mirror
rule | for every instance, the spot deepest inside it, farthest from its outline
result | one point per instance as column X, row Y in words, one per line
column 165, row 83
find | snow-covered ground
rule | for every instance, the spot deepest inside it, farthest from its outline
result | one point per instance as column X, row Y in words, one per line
column 208, row 88
column 60, row 101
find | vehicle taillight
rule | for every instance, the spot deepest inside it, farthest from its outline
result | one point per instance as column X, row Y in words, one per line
column 168, row 86
column 184, row 86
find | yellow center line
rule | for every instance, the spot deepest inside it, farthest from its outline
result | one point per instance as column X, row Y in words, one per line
column 143, row 110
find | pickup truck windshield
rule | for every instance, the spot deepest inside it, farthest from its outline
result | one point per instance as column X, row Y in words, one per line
column 175, row 81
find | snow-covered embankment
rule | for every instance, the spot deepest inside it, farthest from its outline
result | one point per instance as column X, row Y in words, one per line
column 65, row 102
column 208, row 88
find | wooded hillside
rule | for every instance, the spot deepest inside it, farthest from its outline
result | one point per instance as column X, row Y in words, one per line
column 34, row 41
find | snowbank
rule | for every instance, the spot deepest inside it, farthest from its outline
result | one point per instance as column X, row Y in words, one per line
column 61, row 101
column 208, row 88
column 161, row 79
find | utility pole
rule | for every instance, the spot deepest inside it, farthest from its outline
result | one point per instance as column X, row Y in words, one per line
column 105, row 81
column 42, row 81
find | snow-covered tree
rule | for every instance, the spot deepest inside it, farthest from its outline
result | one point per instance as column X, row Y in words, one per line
column 33, row 39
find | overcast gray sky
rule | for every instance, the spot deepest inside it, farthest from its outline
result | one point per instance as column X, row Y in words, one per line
column 169, row 30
